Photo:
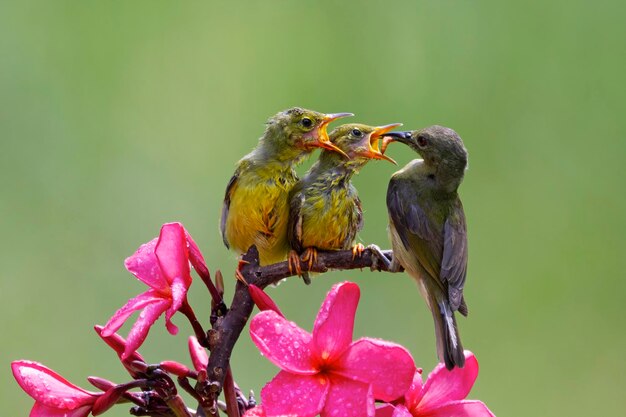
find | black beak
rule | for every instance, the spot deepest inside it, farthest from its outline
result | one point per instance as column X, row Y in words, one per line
column 399, row 135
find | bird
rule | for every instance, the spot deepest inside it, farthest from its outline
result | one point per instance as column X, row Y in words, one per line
column 256, row 209
column 428, row 230
column 324, row 208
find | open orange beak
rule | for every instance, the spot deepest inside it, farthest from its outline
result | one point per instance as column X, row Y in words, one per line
column 374, row 152
column 323, row 139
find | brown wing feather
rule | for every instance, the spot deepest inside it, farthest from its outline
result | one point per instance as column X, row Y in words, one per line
column 454, row 263
column 226, row 206
column 417, row 233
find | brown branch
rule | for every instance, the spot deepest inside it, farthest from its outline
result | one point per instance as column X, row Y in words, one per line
column 226, row 331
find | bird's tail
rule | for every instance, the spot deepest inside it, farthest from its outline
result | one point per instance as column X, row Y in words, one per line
column 449, row 347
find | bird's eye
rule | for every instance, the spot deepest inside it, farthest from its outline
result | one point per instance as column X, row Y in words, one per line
column 357, row 133
column 422, row 141
column 306, row 122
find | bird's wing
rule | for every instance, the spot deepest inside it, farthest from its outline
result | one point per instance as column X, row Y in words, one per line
column 294, row 228
column 454, row 263
column 232, row 184
column 418, row 233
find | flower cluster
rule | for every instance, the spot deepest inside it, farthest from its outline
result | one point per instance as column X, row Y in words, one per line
column 324, row 372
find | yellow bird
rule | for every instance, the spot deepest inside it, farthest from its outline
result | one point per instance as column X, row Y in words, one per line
column 325, row 211
column 256, row 209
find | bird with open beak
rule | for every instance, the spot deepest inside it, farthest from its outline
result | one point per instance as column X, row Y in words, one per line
column 324, row 208
column 427, row 228
column 256, row 207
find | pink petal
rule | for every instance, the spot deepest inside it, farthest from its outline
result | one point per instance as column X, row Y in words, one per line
column 443, row 386
column 40, row 410
column 282, row 342
column 389, row 410
column 387, row 366
column 414, row 395
column 141, row 301
column 179, row 295
column 143, row 264
column 117, row 343
column 262, row 300
column 171, row 251
column 49, row 388
column 332, row 332
column 175, row 368
column 199, row 356
column 460, row 409
column 299, row 395
column 195, row 257
column 348, row 398
column 386, row 410
column 140, row 329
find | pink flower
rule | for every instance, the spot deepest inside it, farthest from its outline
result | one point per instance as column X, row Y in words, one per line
column 163, row 265
column 443, row 394
column 262, row 300
column 118, row 344
column 199, row 356
column 54, row 396
column 326, row 372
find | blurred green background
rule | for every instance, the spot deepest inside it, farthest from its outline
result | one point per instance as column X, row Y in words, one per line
column 116, row 117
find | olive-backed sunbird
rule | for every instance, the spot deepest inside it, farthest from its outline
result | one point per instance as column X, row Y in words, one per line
column 256, row 209
column 324, row 208
column 427, row 228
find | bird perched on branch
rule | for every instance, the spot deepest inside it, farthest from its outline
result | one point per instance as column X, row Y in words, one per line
column 427, row 228
column 324, row 208
column 255, row 209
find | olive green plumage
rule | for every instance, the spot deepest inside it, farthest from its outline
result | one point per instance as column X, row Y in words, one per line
column 428, row 231
column 256, row 209
column 324, row 208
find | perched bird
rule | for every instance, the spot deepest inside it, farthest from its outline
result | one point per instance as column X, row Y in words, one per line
column 324, row 208
column 256, row 209
column 427, row 228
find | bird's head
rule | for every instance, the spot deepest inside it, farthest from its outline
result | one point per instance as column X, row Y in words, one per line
column 302, row 130
column 360, row 142
column 439, row 146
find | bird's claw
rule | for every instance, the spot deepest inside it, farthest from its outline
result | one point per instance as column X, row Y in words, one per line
column 310, row 256
column 238, row 273
column 378, row 256
column 294, row 263
column 357, row 250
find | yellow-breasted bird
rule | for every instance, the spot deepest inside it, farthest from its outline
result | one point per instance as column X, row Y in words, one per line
column 427, row 228
column 324, row 208
column 256, row 209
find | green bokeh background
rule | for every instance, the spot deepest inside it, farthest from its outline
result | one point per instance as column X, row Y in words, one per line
column 116, row 117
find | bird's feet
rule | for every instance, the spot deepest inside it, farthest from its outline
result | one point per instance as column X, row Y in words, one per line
column 310, row 256
column 378, row 258
column 238, row 273
column 357, row 250
column 294, row 263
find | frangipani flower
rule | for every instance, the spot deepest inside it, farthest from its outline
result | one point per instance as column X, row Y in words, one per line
column 118, row 344
column 163, row 265
column 326, row 372
column 54, row 395
column 442, row 395
column 262, row 300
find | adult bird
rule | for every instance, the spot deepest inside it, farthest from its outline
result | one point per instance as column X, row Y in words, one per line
column 427, row 228
column 324, row 208
column 256, row 209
